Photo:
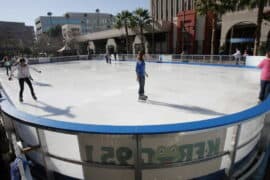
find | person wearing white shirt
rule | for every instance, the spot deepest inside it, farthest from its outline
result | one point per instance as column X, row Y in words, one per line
column 24, row 76
column 237, row 56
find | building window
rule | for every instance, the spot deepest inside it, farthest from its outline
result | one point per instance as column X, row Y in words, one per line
column 189, row 5
column 156, row 12
column 177, row 6
column 167, row 9
column 172, row 10
column 161, row 2
column 183, row 5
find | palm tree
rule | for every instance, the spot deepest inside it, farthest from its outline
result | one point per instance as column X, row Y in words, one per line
column 260, row 4
column 142, row 19
column 125, row 19
column 217, row 8
column 67, row 16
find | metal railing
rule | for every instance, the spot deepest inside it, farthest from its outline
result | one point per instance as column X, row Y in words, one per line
column 201, row 59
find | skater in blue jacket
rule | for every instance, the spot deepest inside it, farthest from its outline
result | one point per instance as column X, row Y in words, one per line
column 140, row 70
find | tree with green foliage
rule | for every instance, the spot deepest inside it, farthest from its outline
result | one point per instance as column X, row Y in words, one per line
column 125, row 20
column 260, row 4
column 55, row 31
column 142, row 19
column 217, row 8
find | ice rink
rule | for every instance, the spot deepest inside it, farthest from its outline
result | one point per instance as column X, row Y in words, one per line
column 93, row 92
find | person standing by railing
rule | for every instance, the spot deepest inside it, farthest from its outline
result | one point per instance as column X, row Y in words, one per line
column 237, row 56
column 140, row 71
column 24, row 76
column 265, row 77
column 245, row 55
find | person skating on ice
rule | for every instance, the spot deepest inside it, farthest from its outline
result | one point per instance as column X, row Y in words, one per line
column 24, row 75
column 7, row 64
column 141, row 74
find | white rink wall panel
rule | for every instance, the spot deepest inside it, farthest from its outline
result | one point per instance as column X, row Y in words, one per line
column 65, row 168
column 62, row 145
column 251, row 129
column 91, row 173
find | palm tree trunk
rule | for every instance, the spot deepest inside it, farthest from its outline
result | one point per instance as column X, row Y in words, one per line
column 142, row 38
column 213, row 35
column 259, row 27
column 127, row 43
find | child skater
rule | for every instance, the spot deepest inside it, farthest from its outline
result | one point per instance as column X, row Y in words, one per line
column 24, row 76
column 140, row 70
column 265, row 77
column 7, row 64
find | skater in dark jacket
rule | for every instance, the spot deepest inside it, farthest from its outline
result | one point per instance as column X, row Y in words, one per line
column 24, row 76
column 140, row 70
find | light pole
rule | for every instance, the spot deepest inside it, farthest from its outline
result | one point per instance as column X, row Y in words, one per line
column 97, row 12
column 50, row 15
column 183, row 33
column 153, row 36
column 183, row 28
column 153, row 27
column 85, row 22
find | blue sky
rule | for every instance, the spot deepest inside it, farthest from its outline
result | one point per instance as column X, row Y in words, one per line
column 28, row 10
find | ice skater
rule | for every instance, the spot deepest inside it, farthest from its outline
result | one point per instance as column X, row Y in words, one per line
column 7, row 64
column 265, row 77
column 108, row 58
column 141, row 74
column 237, row 56
column 24, row 76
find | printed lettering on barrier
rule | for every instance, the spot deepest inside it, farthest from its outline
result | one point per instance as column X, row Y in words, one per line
column 156, row 149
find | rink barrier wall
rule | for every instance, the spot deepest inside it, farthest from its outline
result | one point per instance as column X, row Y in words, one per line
column 139, row 152
column 217, row 60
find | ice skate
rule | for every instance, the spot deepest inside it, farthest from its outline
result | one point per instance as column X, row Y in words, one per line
column 143, row 98
column 34, row 97
column 21, row 99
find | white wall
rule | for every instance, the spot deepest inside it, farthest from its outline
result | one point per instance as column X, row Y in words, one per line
column 254, row 61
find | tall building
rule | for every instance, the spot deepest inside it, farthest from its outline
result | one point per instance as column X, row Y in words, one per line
column 166, row 10
column 15, row 36
column 189, row 31
column 89, row 22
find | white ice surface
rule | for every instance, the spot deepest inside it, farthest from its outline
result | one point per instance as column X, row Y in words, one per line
column 92, row 92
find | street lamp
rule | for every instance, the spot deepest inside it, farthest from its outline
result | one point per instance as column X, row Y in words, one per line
column 83, row 25
column 153, row 36
column 183, row 27
column 50, row 15
column 97, row 12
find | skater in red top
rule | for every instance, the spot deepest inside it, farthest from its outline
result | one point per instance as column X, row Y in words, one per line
column 265, row 77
